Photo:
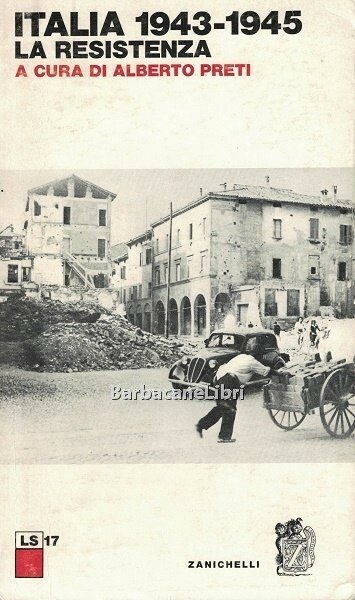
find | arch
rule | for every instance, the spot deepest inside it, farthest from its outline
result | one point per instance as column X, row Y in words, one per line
column 185, row 316
column 160, row 317
column 173, row 317
column 147, row 317
column 222, row 303
column 139, row 316
column 200, row 315
column 130, row 314
column 222, row 306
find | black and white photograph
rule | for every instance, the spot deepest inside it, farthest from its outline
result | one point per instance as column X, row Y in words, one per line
column 177, row 316
column 177, row 308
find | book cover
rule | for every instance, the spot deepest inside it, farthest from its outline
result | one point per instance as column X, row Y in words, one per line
column 176, row 300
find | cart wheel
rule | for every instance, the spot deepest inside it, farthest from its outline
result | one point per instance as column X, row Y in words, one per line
column 286, row 419
column 337, row 403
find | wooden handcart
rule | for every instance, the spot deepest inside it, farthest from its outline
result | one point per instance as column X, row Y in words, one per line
column 298, row 390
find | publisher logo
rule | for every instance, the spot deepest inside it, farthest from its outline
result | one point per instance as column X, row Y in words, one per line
column 295, row 545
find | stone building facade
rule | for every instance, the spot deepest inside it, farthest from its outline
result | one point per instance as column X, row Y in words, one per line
column 133, row 278
column 15, row 266
column 68, row 233
column 255, row 254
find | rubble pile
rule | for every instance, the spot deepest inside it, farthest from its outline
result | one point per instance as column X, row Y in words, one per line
column 81, row 337
column 22, row 317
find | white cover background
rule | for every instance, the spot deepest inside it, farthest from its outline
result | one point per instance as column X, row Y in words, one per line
column 127, row 531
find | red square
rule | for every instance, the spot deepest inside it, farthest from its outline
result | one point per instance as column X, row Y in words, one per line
column 29, row 562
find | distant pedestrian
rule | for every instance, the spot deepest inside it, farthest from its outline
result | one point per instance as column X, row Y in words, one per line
column 230, row 376
column 277, row 329
column 313, row 333
column 299, row 329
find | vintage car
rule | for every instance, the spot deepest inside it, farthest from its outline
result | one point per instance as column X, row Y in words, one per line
column 221, row 346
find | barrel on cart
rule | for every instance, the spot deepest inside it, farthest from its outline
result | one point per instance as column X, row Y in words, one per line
column 297, row 390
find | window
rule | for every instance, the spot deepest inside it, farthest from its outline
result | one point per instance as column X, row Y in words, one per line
column 25, row 225
column 149, row 289
column 166, row 272
column 37, row 209
column 12, row 273
column 17, row 245
column 313, row 266
column 134, row 293
column 189, row 267
column 123, row 272
column 167, row 241
column 293, row 303
column 190, row 231
column 101, row 248
column 157, row 245
column 342, row 271
column 124, row 296
column 203, row 262
column 177, row 271
column 204, row 226
column 102, row 217
column 178, row 236
column 26, row 274
column 313, row 229
column 140, row 290
column 277, row 229
column 66, row 215
column 140, row 259
column 270, row 303
column 157, row 276
column 346, row 234
column 276, row 268
column 148, row 256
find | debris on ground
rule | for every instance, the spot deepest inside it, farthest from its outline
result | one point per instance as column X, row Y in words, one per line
column 69, row 337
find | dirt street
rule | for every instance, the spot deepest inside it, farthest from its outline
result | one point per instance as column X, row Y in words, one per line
column 70, row 418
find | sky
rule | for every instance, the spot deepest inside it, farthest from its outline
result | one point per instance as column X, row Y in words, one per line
column 144, row 195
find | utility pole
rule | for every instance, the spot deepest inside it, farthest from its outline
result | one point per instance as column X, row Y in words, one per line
column 167, row 319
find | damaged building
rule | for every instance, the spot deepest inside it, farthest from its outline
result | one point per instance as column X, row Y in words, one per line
column 15, row 265
column 68, row 233
column 133, row 278
column 255, row 253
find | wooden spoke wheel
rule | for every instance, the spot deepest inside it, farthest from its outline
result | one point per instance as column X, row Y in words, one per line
column 337, row 402
column 286, row 419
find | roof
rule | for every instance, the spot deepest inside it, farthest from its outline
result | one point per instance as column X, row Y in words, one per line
column 59, row 185
column 142, row 237
column 270, row 194
column 119, row 251
column 263, row 194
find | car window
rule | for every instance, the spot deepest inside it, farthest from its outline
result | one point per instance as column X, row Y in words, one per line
column 251, row 345
column 215, row 340
column 225, row 340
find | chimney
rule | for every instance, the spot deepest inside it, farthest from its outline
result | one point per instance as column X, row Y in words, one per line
column 224, row 185
column 201, row 192
column 267, row 178
column 335, row 190
column 324, row 192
